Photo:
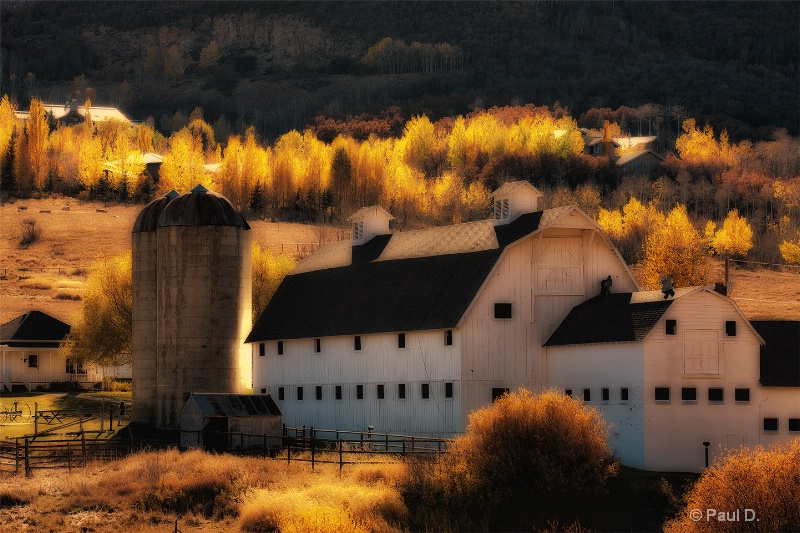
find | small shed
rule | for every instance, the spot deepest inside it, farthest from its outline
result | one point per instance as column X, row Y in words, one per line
column 224, row 422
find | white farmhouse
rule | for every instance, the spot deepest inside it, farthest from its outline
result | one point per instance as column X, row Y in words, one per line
column 412, row 331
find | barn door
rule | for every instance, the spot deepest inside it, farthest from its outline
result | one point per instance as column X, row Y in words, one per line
column 701, row 352
column 559, row 270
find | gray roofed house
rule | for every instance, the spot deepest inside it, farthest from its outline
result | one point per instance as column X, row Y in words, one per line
column 33, row 329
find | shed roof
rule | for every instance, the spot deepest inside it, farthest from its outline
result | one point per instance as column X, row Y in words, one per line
column 626, row 158
column 34, row 329
column 407, row 281
column 780, row 355
column 227, row 405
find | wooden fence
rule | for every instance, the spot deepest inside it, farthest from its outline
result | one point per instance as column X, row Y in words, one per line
column 29, row 454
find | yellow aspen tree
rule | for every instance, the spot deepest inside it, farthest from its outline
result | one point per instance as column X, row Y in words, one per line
column 64, row 155
column 183, row 165
column 790, row 251
column 268, row 272
column 7, row 124
column 90, row 161
column 37, row 132
column 611, row 222
column 735, row 237
column 675, row 247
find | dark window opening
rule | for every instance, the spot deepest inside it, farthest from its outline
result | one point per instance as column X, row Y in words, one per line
column 448, row 337
column 263, row 390
column 380, row 392
column 502, row 310
column 262, row 349
column 426, row 390
column 280, row 393
column 359, row 392
column 794, row 424
column 401, row 391
column 770, row 424
column 605, row 394
column 716, row 395
column 338, row 392
column 498, row 392
column 689, row 394
column 357, row 342
column 33, row 360
column 587, row 395
column 730, row 328
column 401, row 340
column 568, row 392
column 280, row 347
column 672, row 327
column 317, row 345
column 662, row 394
column 448, row 390
column 318, row 390
column 741, row 395
column 623, row 394
column 299, row 394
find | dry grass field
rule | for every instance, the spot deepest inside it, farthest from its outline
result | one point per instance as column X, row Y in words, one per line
column 74, row 234
column 149, row 491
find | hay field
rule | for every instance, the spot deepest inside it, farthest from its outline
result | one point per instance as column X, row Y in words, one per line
column 74, row 234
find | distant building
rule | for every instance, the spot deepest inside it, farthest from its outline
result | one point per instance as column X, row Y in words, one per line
column 642, row 162
column 71, row 113
column 632, row 155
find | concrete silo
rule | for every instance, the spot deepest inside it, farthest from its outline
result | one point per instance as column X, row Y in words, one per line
column 144, row 244
column 191, row 303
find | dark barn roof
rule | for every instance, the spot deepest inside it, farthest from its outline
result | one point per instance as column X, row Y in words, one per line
column 780, row 355
column 226, row 405
column 621, row 317
column 33, row 329
column 407, row 281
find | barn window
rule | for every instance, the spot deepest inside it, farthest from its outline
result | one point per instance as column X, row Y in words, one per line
column 426, row 390
column 742, row 395
column 358, row 230
column 604, row 394
column 280, row 393
column 623, row 394
column 689, row 394
column 716, row 395
column 359, row 392
column 262, row 349
column 357, row 343
column 318, row 391
column 568, row 392
column 401, row 390
column 502, row 310
column 448, row 390
column 317, row 345
column 338, row 392
column 501, row 210
column 672, row 327
column 448, row 337
column 401, row 340
column 299, row 394
column 380, row 391
column 280, row 347
column 770, row 424
column 263, row 390
column 794, row 425
column 662, row 394
column 730, row 328
column 33, row 360
column 587, row 395
column 498, row 392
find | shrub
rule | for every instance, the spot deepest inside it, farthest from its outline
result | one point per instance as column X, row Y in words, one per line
column 30, row 232
column 524, row 461
column 764, row 480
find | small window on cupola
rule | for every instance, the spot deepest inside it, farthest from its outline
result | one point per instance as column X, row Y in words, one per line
column 501, row 209
column 358, row 230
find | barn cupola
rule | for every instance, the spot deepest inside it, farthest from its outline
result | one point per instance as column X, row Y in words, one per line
column 513, row 199
column 368, row 222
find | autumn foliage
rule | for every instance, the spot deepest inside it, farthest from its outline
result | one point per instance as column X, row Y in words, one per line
column 763, row 480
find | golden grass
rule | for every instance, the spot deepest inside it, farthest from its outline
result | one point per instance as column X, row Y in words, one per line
column 205, row 492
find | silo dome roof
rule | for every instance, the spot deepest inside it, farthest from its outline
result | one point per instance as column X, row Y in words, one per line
column 148, row 217
column 201, row 207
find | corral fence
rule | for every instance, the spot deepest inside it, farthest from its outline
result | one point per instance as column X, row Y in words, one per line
column 27, row 453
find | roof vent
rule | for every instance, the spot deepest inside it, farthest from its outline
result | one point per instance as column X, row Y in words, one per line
column 666, row 286
column 199, row 188
column 513, row 199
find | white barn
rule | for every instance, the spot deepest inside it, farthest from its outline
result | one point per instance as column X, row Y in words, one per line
column 410, row 332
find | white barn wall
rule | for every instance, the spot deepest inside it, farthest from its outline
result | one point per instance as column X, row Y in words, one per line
column 675, row 430
column 612, row 366
column 424, row 360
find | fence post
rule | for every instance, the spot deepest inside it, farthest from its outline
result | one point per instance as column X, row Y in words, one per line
column 241, row 440
column 69, row 459
column 35, row 419
column 404, row 447
column 265, row 444
column 16, row 456
column 83, row 447
column 387, row 443
column 412, row 444
column 340, row 456
column 27, row 459
column 312, row 448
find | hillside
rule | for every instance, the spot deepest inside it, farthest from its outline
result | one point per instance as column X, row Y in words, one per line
column 55, row 267
column 280, row 64
column 49, row 275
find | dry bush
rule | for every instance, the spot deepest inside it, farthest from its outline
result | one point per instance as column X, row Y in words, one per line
column 30, row 232
column 36, row 285
column 525, row 460
column 764, row 480
column 67, row 296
